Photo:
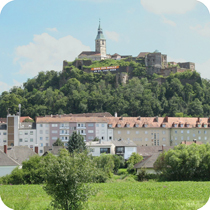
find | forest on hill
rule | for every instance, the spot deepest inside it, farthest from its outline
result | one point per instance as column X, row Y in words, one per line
column 74, row 91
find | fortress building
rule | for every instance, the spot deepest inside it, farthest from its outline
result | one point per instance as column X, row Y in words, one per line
column 100, row 48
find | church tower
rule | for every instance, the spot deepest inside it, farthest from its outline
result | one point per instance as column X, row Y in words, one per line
column 100, row 42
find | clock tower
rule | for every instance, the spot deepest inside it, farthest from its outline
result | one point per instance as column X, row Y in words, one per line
column 100, row 42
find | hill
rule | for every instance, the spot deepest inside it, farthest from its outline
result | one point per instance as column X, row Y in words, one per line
column 76, row 91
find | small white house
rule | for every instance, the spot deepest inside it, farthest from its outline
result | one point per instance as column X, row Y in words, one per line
column 97, row 148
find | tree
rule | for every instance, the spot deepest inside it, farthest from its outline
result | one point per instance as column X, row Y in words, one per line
column 76, row 143
column 66, row 180
column 185, row 163
column 134, row 158
column 58, row 142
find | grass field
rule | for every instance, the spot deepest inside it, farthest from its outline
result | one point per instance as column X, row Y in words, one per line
column 118, row 195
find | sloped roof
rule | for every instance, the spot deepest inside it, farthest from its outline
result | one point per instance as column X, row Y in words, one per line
column 25, row 117
column 89, row 53
column 98, row 144
column 150, row 150
column 148, row 162
column 5, row 160
column 19, row 153
column 142, row 54
column 53, row 149
column 3, row 120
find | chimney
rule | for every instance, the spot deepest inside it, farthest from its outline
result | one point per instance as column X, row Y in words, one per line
column 36, row 150
column 5, row 149
column 115, row 114
column 166, row 118
column 139, row 118
column 99, row 141
column 156, row 118
column 199, row 120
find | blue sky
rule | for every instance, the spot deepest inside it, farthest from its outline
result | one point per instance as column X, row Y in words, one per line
column 38, row 35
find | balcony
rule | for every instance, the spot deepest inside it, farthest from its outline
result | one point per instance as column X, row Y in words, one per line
column 64, row 127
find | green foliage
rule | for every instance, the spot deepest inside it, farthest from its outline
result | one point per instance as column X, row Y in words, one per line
column 76, row 143
column 185, row 163
column 28, row 120
column 58, row 142
column 75, row 91
column 134, row 158
column 141, row 176
column 65, row 180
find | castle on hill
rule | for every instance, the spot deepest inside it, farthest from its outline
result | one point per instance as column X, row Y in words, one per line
column 155, row 62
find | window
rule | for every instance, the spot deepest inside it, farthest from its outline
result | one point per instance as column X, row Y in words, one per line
column 41, row 125
column 137, row 132
column 158, row 142
column 97, row 125
column 127, row 125
column 163, row 125
column 20, row 132
column 145, row 125
column 102, row 125
column 146, row 132
column 146, row 139
column 31, row 140
column 199, row 125
column 92, row 149
column 205, row 132
column 119, row 132
column 90, row 131
column 20, row 140
column 164, row 139
column 188, row 138
column 31, row 132
column 46, row 125
column 205, row 138
column 188, row 131
column 118, row 125
column 41, row 131
column 128, row 132
column 46, row 131
column 193, row 135
column 31, row 147
column 182, row 131
column 90, row 124
column 199, row 132
column 119, row 150
column 110, row 125
column 41, row 138
column 105, row 150
column 41, row 145
column 205, row 125
column 182, row 138
column 188, row 125
column 4, row 133
column 26, row 140
column 175, row 125
column 26, row 133
column 110, row 138
column 181, row 125
column 54, row 131
column 90, row 137
column 175, row 132
column 40, row 151
column 102, row 138
column 199, row 138
column 164, row 132
column 175, row 138
column 54, row 125
column 46, row 144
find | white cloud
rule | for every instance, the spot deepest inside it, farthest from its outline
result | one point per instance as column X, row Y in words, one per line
column 168, row 6
column 114, row 36
column 4, row 87
column 16, row 83
column 47, row 53
column 202, row 30
column 169, row 22
column 52, row 29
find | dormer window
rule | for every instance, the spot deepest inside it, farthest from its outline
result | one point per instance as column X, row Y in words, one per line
column 127, row 125
column 199, row 125
column 175, row 125
column 163, row 125
column 181, row 125
column 118, row 125
column 205, row 125
column 145, row 125
column 136, row 125
column 110, row 125
column 188, row 125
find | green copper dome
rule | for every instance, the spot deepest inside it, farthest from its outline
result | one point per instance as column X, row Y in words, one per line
column 100, row 33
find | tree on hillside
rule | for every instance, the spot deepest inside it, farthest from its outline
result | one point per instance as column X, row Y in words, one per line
column 76, row 143
column 58, row 142
column 185, row 163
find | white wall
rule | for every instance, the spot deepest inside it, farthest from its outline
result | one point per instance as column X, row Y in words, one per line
column 28, row 137
column 129, row 151
column 3, row 137
column 102, row 131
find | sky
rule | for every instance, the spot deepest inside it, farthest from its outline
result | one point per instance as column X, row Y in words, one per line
column 38, row 35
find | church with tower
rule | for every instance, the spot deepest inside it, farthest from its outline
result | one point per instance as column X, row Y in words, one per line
column 100, row 48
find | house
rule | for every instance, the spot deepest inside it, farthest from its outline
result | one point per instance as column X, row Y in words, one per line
column 97, row 148
column 124, row 148
column 52, row 149
column 147, row 163
column 11, row 157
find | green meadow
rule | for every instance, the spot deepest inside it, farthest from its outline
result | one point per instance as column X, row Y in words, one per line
column 125, row 194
